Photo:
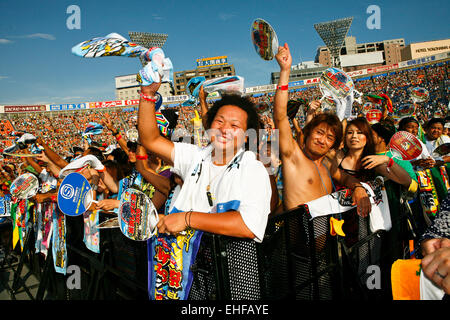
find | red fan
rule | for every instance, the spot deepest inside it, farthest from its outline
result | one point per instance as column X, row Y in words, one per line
column 405, row 146
column 374, row 116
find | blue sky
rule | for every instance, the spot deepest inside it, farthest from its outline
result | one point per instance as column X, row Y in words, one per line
column 37, row 66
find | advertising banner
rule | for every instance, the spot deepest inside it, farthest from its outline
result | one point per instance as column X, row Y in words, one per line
column 213, row 61
column 24, row 108
column 382, row 68
column 106, row 104
column 260, row 88
column 70, row 106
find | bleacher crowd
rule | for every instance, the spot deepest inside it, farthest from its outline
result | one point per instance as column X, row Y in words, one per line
column 316, row 156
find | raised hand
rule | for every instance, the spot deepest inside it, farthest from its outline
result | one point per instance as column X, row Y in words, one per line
column 284, row 58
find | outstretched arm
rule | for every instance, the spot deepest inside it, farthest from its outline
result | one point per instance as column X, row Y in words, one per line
column 52, row 156
column 116, row 133
column 148, row 130
column 394, row 172
column 280, row 117
column 161, row 183
column 203, row 105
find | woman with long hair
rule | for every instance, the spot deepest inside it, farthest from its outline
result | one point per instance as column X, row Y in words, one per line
column 358, row 156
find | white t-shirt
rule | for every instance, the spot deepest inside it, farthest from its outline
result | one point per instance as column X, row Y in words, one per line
column 433, row 144
column 48, row 181
column 254, row 182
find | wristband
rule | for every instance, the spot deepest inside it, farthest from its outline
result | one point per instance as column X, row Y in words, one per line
column 53, row 198
column 148, row 98
column 118, row 137
column 390, row 164
column 141, row 157
column 285, row 87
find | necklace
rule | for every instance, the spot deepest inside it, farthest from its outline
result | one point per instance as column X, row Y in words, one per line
column 208, row 188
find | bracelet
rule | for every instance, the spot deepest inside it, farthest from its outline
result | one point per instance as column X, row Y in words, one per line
column 285, row 87
column 357, row 186
column 53, row 198
column 188, row 224
column 148, row 98
column 190, row 214
column 118, row 137
column 141, row 157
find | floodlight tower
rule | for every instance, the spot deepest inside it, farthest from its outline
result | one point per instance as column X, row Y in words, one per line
column 333, row 33
column 148, row 40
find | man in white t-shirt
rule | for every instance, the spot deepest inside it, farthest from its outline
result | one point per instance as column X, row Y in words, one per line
column 226, row 190
column 434, row 137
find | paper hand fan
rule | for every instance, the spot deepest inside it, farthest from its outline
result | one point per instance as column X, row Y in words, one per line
column 264, row 39
column 137, row 215
column 75, row 195
column 442, row 150
column 337, row 85
column 405, row 146
column 24, row 186
column 419, row 94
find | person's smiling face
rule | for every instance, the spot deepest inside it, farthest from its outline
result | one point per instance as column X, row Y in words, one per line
column 321, row 140
column 355, row 138
column 228, row 128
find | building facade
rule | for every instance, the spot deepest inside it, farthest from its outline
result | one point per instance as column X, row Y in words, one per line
column 424, row 49
column 209, row 68
column 356, row 56
column 301, row 71
column 128, row 88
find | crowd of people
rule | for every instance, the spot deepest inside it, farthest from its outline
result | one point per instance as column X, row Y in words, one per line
column 198, row 185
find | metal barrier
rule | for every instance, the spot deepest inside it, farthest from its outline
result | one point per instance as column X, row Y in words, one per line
column 298, row 259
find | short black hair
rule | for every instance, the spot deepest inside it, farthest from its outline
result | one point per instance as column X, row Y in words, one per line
column 384, row 130
column 332, row 121
column 435, row 120
column 403, row 122
column 132, row 146
column 96, row 153
column 239, row 101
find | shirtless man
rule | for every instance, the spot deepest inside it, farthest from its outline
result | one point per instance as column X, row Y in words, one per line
column 307, row 176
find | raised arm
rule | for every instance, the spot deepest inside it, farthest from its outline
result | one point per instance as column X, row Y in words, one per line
column 116, row 133
column 280, row 117
column 203, row 105
column 161, row 183
column 33, row 163
column 52, row 155
column 149, row 135
column 394, row 171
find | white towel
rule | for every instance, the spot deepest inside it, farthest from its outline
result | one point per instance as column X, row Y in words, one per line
column 80, row 163
column 341, row 201
column 428, row 290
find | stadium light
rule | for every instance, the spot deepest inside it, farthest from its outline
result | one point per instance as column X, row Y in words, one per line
column 333, row 33
column 148, row 40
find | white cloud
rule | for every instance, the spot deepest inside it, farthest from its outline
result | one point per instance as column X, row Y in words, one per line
column 45, row 36
column 226, row 16
column 3, row 77
column 5, row 41
column 157, row 17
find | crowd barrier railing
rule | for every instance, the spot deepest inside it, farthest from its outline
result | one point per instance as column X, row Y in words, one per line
column 298, row 260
